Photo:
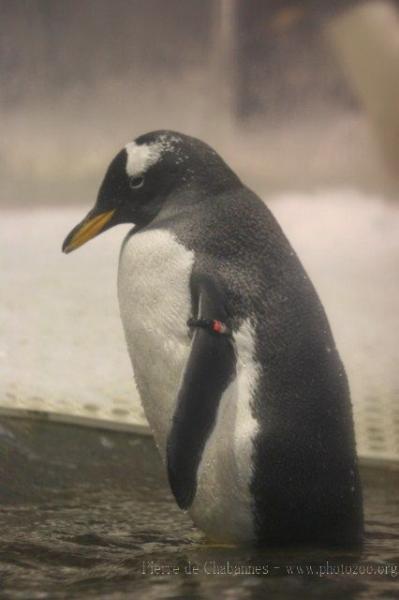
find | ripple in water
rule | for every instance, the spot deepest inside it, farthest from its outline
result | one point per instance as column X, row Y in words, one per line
column 86, row 521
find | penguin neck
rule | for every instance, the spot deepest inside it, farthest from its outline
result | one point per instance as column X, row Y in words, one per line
column 194, row 193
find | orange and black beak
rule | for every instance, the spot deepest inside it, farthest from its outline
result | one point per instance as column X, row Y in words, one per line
column 93, row 224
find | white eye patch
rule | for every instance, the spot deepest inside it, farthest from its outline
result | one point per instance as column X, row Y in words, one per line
column 140, row 157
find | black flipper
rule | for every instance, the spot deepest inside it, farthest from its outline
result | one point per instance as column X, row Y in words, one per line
column 209, row 369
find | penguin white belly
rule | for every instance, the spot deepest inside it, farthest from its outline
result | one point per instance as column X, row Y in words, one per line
column 155, row 304
column 222, row 506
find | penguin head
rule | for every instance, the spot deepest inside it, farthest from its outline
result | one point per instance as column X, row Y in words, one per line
column 144, row 176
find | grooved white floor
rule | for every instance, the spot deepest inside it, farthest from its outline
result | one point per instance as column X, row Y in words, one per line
column 62, row 349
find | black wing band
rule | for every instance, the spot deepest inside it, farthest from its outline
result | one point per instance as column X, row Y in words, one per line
column 213, row 325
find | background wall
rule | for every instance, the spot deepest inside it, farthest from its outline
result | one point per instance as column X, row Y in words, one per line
column 80, row 78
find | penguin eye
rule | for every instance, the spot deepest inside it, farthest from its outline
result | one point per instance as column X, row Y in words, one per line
column 136, row 182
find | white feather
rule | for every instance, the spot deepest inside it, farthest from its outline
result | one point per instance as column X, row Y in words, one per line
column 155, row 304
column 222, row 505
column 140, row 157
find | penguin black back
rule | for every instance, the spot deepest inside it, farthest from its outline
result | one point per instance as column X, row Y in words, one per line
column 305, row 484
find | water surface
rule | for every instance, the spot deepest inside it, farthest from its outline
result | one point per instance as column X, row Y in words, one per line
column 87, row 514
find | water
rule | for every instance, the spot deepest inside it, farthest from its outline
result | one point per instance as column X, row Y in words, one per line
column 87, row 514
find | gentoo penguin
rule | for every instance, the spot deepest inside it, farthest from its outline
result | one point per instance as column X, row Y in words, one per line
column 232, row 352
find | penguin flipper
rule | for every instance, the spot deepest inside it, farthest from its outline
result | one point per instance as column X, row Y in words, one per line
column 209, row 369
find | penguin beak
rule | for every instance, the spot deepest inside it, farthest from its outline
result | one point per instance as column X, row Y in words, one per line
column 93, row 224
